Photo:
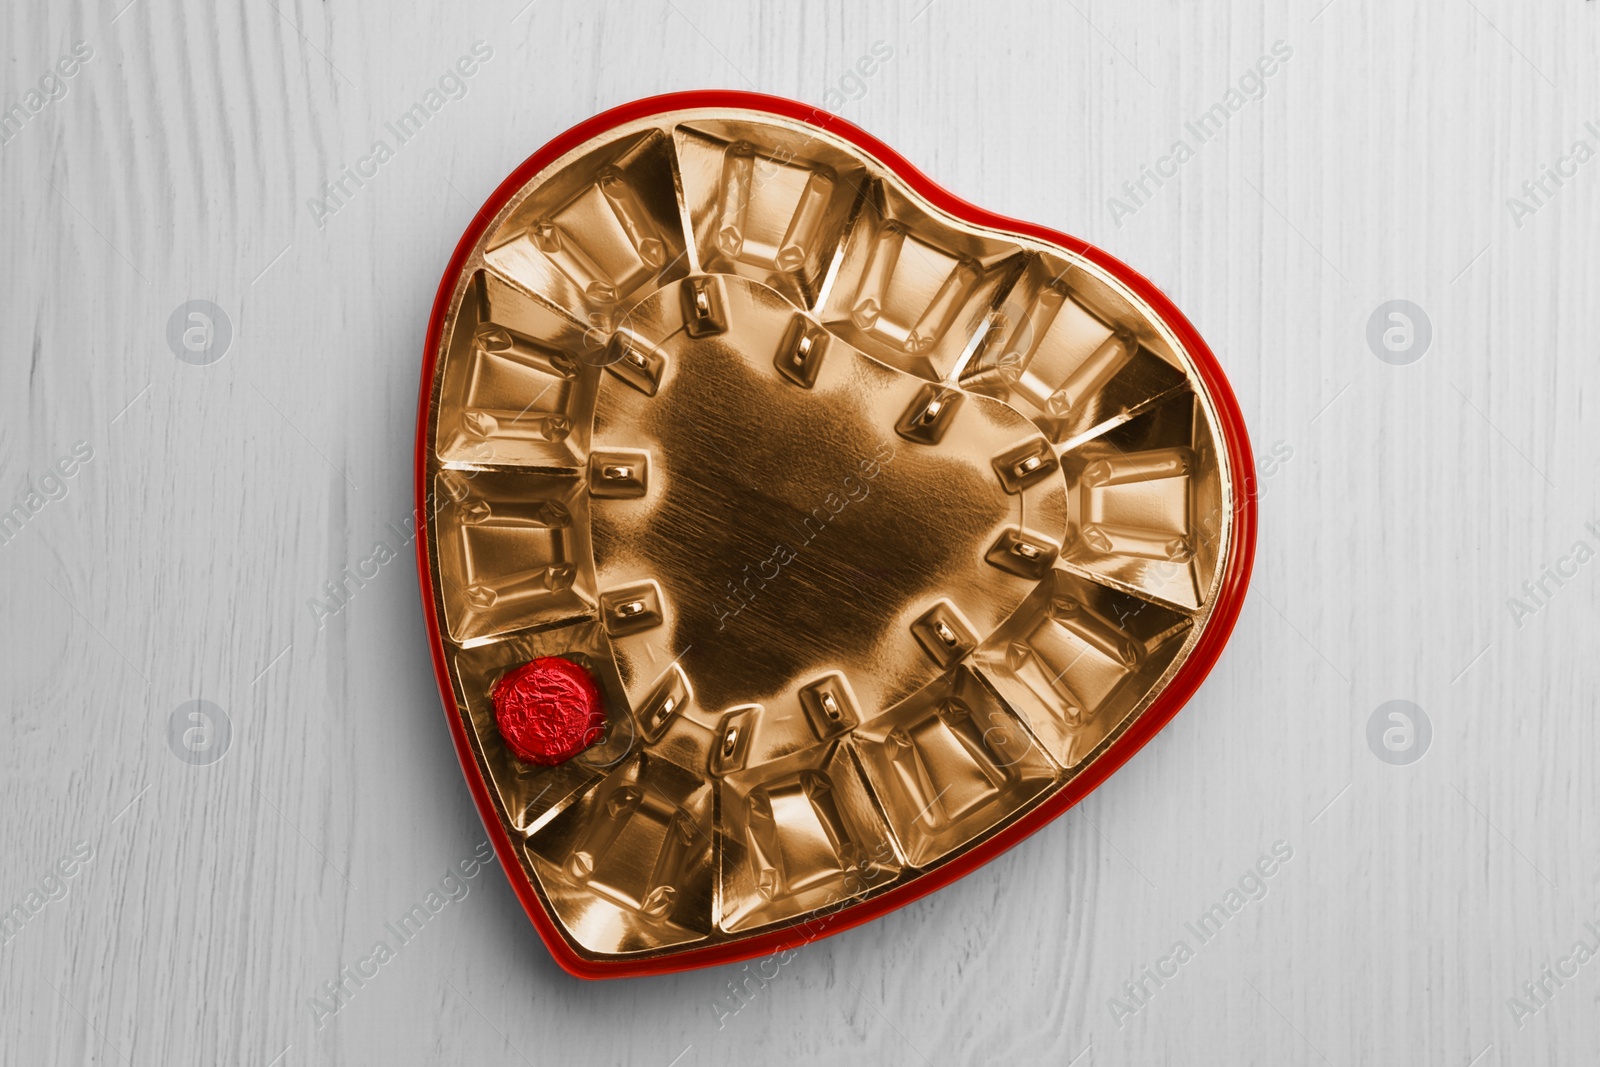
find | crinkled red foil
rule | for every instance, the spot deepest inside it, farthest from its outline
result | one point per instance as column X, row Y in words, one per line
column 548, row 710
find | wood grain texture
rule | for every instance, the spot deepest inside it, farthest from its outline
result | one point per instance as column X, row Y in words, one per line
column 178, row 562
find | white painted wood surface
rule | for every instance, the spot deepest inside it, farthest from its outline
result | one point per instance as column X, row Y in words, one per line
column 177, row 562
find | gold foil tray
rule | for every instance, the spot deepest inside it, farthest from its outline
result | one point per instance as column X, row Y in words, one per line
column 887, row 528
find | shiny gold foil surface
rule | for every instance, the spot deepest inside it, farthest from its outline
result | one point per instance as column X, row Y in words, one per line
column 876, row 527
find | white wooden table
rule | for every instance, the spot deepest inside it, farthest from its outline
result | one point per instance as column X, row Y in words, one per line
column 208, row 904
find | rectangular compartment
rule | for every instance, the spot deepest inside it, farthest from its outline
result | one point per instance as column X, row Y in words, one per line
column 1064, row 361
column 800, row 833
column 512, row 552
column 765, row 203
column 518, row 388
column 628, row 866
column 1145, row 504
column 1077, row 658
column 912, row 290
column 606, row 230
column 950, row 763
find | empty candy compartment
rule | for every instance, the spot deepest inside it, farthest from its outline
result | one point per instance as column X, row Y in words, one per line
column 518, row 387
column 913, row 290
column 949, row 764
column 600, row 232
column 767, row 203
column 1067, row 364
column 1077, row 658
column 628, row 866
column 513, row 551
column 1145, row 503
column 799, row 834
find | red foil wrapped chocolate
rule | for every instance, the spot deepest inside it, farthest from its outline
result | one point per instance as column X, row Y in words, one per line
column 548, row 710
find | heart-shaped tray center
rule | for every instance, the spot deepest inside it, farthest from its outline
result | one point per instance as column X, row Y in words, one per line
column 791, row 529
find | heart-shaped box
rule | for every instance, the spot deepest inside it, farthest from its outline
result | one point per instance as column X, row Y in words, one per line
column 887, row 528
